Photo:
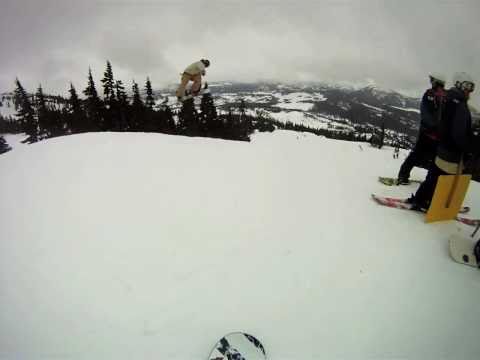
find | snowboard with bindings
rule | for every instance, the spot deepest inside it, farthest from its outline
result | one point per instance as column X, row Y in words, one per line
column 403, row 204
column 189, row 95
column 462, row 250
column 389, row 181
column 238, row 346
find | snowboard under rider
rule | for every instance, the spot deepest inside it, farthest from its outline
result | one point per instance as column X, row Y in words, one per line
column 193, row 72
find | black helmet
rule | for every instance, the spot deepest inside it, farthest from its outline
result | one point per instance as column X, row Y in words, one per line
column 206, row 62
column 437, row 79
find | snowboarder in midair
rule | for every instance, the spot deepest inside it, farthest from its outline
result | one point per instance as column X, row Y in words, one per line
column 424, row 151
column 193, row 72
column 456, row 139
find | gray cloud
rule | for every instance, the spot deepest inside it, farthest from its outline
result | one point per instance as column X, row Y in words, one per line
column 394, row 43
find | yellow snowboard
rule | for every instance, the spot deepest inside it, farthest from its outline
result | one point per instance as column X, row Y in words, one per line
column 448, row 197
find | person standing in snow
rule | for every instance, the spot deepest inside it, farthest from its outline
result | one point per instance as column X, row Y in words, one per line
column 396, row 152
column 456, row 139
column 193, row 72
column 425, row 148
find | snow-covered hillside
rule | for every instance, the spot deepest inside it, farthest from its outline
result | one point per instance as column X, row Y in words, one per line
column 149, row 246
column 14, row 140
column 318, row 105
column 8, row 109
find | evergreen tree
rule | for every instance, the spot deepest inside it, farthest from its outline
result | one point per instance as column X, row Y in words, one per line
column 242, row 107
column 77, row 117
column 150, row 102
column 26, row 113
column 42, row 113
column 3, row 145
column 108, row 84
column 122, row 106
column 111, row 106
column 93, row 104
column 137, row 119
column 120, row 93
column 169, row 121
column 188, row 118
column 207, row 107
column 208, row 117
column 382, row 136
column 137, row 99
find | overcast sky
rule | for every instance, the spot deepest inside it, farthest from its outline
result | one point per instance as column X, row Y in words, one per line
column 394, row 43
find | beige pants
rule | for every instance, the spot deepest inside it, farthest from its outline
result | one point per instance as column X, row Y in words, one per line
column 197, row 83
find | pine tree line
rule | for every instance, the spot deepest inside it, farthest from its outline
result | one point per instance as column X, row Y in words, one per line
column 117, row 111
column 9, row 125
column 42, row 117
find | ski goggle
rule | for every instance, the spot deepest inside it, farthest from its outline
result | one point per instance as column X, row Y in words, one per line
column 468, row 86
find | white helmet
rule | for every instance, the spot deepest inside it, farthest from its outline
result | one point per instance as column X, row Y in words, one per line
column 463, row 81
column 437, row 78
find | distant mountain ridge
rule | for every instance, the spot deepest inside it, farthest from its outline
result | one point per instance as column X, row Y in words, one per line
column 314, row 104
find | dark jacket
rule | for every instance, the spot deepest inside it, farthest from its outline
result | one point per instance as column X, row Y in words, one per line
column 431, row 112
column 456, row 134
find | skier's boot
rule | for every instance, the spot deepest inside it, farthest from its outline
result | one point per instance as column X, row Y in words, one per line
column 403, row 181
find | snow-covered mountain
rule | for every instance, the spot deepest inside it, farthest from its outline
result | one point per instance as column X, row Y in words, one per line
column 150, row 246
column 7, row 105
column 319, row 105
column 8, row 109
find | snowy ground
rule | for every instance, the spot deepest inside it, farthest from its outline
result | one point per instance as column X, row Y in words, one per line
column 374, row 108
column 148, row 246
column 14, row 140
column 406, row 109
column 301, row 118
column 8, row 109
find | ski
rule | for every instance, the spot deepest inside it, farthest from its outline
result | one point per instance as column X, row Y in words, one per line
column 467, row 221
column 238, row 346
column 389, row 181
column 403, row 204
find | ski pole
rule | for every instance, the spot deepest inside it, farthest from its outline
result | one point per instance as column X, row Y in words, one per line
column 476, row 230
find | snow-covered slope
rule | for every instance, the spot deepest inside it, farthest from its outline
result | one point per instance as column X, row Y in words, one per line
column 148, row 246
column 8, row 110
column 362, row 109
column 15, row 140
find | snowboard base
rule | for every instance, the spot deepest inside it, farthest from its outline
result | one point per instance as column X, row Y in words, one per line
column 238, row 346
column 189, row 95
column 461, row 250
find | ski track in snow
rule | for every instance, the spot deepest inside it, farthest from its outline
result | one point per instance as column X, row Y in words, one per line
column 149, row 246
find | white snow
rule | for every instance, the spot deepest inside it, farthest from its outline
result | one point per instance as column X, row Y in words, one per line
column 260, row 98
column 296, row 106
column 8, row 109
column 406, row 109
column 14, row 140
column 148, row 246
column 300, row 96
column 297, row 100
column 301, row 118
column 373, row 107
